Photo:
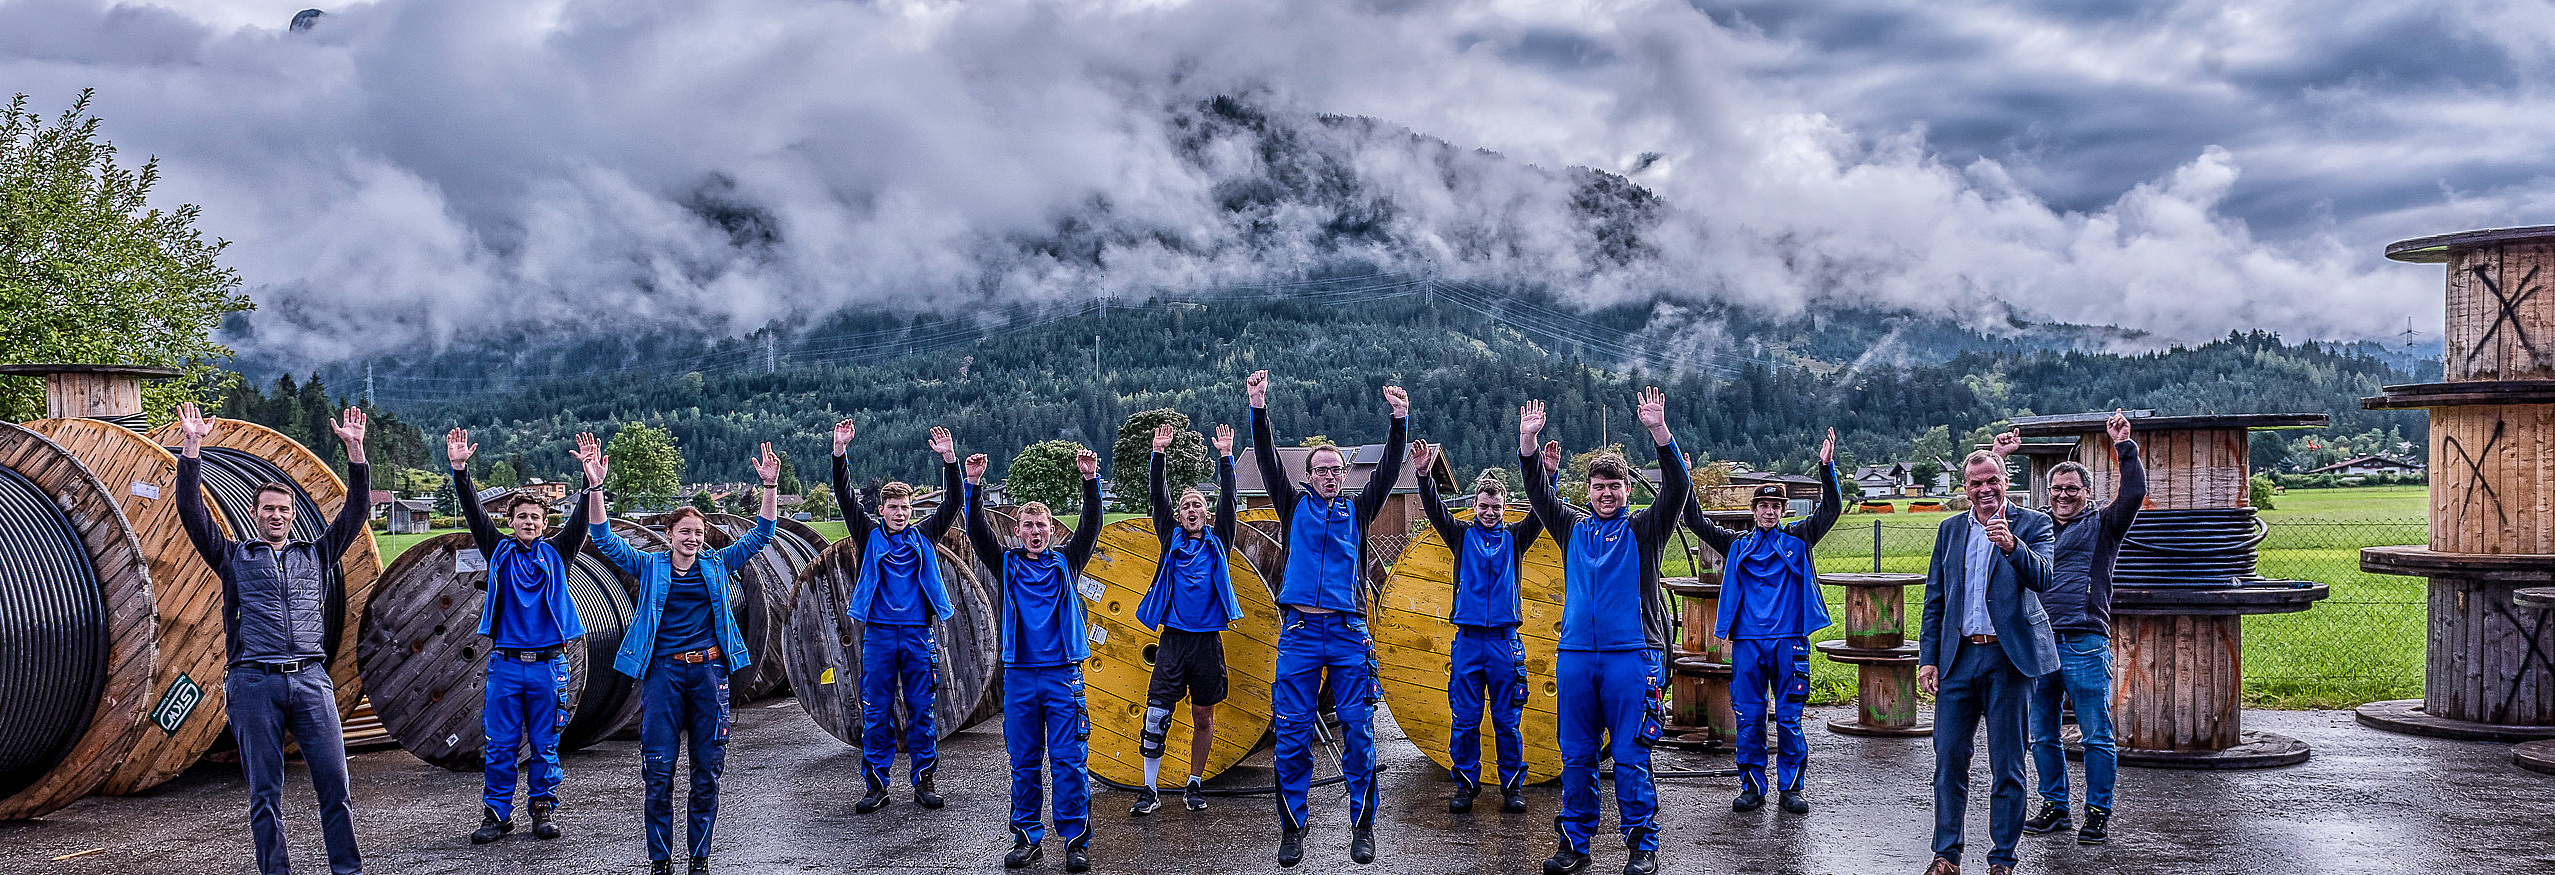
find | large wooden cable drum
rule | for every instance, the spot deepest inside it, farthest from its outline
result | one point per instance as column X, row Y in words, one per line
column 1414, row 648
column 763, row 583
column 238, row 456
column 1120, row 671
column 988, row 582
column 188, row 708
column 77, row 633
column 820, row 646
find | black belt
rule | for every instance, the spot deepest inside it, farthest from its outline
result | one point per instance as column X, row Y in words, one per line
column 541, row 655
column 286, row 667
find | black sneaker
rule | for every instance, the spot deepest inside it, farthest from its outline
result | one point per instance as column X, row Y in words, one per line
column 1566, row 862
column 1642, row 863
column 1195, row 795
column 874, row 800
column 1795, row 803
column 2097, row 826
column 490, row 827
column 1290, row 847
column 1361, row 845
column 1512, row 801
column 1749, row 799
column 1148, row 801
column 2050, row 818
column 927, row 794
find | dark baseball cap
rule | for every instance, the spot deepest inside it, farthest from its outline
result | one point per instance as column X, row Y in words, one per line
column 1771, row 491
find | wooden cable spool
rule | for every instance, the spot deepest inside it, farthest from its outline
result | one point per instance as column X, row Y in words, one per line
column 77, row 624
column 763, row 584
column 820, row 646
column 1414, row 649
column 1699, row 672
column 986, row 581
column 188, row 707
column 358, row 569
column 1120, row 670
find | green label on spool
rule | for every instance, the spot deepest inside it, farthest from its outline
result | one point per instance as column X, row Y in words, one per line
column 177, row 704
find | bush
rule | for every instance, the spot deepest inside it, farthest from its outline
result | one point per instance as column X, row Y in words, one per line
column 2262, row 486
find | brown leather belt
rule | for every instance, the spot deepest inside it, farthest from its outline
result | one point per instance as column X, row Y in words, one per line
column 1979, row 639
column 696, row 657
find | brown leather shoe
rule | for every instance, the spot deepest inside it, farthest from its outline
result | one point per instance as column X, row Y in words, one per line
column 1943, row 867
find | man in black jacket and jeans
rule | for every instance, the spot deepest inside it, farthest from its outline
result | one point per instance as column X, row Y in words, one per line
column 2079, row 603
column 275, row 593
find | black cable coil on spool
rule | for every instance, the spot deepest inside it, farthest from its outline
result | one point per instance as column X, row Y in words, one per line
column 605, row 608
column 233, row 477
column 2190, row 548
column 53, row 635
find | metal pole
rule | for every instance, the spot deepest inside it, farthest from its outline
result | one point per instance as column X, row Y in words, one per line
column 1876, row 546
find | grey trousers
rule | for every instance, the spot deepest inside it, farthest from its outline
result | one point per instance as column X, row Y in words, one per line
column 264, row 706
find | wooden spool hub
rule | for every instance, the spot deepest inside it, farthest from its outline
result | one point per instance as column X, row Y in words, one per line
column 422, row 656
column 1699, row 711
column 92, row 627
column 1415, row 640
column 983, row 577
column 1884, row 660
column 359, row 568
column 2497, row 329
column 187, row 705
column 820, row 647
column 2178, row 703
column 1120, row 671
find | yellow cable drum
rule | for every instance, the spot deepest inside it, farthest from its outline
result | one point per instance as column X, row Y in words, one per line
column 1121, row 666
column 1415, row 645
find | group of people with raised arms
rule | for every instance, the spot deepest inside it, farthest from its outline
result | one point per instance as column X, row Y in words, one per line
column 1992, row 568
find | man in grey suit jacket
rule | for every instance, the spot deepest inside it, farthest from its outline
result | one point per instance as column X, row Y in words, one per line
column 1984, row 639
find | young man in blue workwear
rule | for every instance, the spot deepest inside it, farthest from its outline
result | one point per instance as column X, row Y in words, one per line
column 1488, row 666
column 897, row 598
column 1192, row 602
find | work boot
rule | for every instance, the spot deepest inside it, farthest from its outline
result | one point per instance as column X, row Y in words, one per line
column 1795, row 803
column 927, row 795
column 1023, row 851
column 1512, row 801
column 1566, row 862
column 1148, row 801
column 1361, row 845
column 1195, row 796
column 542, row 826
column 2050, row 818
column 1077, row 860
column 874, row 800
column 660, row 867
column 1642, row 863
column 699, row 866
column 1942, row 866
column 1461, row 802
column 2097, row 826
column 490, row 826
column 1749, row 799
column 1290, row 846
column 1999, row 869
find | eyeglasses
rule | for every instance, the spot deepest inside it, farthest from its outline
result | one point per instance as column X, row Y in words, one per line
column 1329, row 471
column 2067, row 489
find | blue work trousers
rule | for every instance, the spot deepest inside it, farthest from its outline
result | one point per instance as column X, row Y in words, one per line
column 1043, row 718
column 682, row 703
column 898, row 659
column 264, row 705
column 1982, row 686
column 1776, row 668
column 2083, row 677
column 1608, row 704
column 1310, row 647
column 526, row 703
column 1489, row 669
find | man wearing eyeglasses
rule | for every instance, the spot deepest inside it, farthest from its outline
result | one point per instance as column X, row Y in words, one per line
column 1324, row 632
column 2079, row 603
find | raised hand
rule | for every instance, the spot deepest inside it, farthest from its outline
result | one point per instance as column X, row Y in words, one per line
column 2007, row 443
column 192, row 422
column 843, row 432
column 1421, row 455
column 1223, row 439
column 350, row 427
column 1162, row 435
column 1399, row 400
column 458, row 449
column 2117, row 425
column 976, row 465
column 589, row 453
column 943, row 444
column 1552, row 456
column 1827, row 451
column 1999, row 532
column 767, row 467
column 1258, row 385
column 1087, row 462
column 1530, row 421
column 1652, row 408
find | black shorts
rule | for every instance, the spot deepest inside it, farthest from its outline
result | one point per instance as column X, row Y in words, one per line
column 1190, row 663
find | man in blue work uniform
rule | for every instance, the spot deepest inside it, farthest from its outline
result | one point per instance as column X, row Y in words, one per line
column 1191, row 601
column 1614, row 631
column 275, row 623
column 1043, row 645
column 529, row 620
column 896, row 599
column 1489, row 662
column 1325, row 635
column 1770, row 604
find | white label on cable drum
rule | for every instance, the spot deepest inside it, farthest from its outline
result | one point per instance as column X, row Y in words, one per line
column 1099, row 634
column 466, row 561
column 146, row 490
column 1091, row 589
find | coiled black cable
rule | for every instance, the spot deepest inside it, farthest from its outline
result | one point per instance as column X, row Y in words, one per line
column 2190, row 548
column 606, row 609
column 53, row 635
column 233, row 477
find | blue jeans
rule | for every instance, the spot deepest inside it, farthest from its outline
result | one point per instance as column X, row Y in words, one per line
column 527, row 702
column 898, row 659
column 1490, row 664
column 682, row 703
column 1780, row 666
column 264, row 705
column 1310, row 646
column 1608, row 704
column 1043, row 717
column 2084, row 677
column 1982, row 686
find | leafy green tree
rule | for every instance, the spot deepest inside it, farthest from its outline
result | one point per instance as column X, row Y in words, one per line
column 1044, row 472
column 704, row 501
column 90, row 272
column 503, row 474
column 1930, row 454
column 646, row 467
column 790, row 484
column 2261, row 488
column 1131, row 472
column 819, row 505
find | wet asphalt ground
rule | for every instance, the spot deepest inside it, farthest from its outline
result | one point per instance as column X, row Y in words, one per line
column 2368, row 801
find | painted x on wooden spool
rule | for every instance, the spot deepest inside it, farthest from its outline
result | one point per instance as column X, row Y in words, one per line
column 1120, row 671
column 1415, row 640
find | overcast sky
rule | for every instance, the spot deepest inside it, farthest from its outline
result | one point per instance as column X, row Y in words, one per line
column 409, row 167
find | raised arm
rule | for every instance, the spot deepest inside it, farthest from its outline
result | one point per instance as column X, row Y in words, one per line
column 1157, row 470
column 1831, row 497
column 351, row 516
column 191, row 513
column 1556, row 516
column 2131, row 492
column 1264, row 448
column 458, row 450
column 572, row 535
column 1225, row 518
column 946, row 514
column 1712, row 534
column 1430, row 503
column 856, row 519
column 767, row 469
column 1676, row 486
column 980, row 534
column 1388, row 472
column 1086, row 534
